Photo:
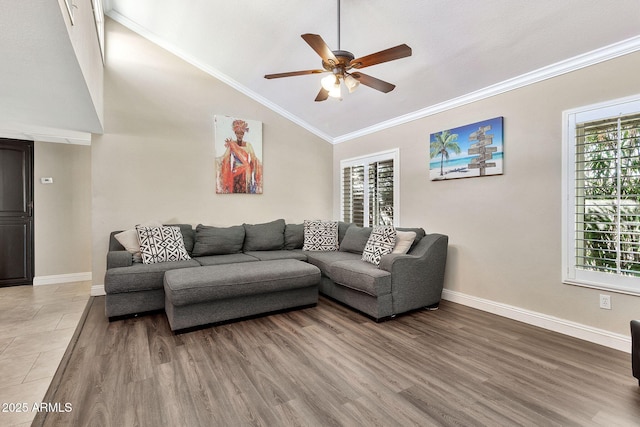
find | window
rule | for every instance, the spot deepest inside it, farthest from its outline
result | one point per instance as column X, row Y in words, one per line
column 601, row 203
column 370, row 189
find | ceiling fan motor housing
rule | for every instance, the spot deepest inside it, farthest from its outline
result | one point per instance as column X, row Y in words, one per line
column 344, row 58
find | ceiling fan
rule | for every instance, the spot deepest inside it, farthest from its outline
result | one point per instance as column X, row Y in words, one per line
column 340, row 63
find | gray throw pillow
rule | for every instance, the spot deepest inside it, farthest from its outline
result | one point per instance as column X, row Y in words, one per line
column 218, row 240
column 264, row 237
column 342, row 229
column 355, row 239
column 293, row 236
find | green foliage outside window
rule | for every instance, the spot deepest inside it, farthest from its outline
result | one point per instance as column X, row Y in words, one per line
column 608, row 196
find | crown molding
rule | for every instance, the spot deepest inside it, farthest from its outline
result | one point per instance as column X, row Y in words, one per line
column 594, row 57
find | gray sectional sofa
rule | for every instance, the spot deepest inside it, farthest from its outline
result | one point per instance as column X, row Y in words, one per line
column 401, row 282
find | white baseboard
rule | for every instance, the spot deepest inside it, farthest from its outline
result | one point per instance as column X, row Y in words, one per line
column 97, row 290
column 62, row 278
column 566, row 327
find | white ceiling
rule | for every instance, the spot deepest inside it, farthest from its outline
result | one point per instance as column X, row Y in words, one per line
column 459, row 47
column 462, row 50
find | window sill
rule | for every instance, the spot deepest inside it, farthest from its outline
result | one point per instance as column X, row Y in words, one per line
column 603, row 287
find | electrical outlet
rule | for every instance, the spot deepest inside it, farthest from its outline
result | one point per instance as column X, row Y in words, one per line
column 605, row 301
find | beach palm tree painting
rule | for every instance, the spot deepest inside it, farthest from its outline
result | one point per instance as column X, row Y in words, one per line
column 467, row 151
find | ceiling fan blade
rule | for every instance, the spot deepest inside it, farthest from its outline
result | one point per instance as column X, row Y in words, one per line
column 293, row 73
column 401, row 51
column 321, row 48
column 374, row 83
column 322, row 95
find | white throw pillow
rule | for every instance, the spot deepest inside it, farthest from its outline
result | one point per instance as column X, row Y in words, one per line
column 320, row 236
column 381, row 242
column 404, row 240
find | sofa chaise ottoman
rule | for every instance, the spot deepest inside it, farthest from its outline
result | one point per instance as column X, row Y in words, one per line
column 217, row 293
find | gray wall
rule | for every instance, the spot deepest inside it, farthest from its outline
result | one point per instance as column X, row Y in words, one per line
column 156, row 161
column 505, row 230
column 156, row 157
column 62, row 210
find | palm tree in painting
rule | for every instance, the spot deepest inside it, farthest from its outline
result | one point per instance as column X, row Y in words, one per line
column 444, row 142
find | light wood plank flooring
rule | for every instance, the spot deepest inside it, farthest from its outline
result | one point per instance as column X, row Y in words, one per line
column 36, row 325
column 329, row 366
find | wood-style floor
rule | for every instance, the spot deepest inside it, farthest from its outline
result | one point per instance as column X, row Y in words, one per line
column 329, row 366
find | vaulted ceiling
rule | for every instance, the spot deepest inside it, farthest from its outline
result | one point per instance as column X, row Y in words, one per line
column 462, row 50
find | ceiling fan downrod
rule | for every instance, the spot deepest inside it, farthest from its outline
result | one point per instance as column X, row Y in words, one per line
column 338, row 24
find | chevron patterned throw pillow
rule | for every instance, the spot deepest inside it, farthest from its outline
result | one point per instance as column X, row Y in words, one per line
column 161, row 244
column 320, row 236
column 381, row 242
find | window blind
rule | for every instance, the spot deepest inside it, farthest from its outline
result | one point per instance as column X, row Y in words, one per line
column 607, row 196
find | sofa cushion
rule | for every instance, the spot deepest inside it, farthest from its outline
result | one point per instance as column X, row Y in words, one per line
column 141, row 277
column 264, row 237
column 320, row 235
column 324, row 260
column 225, row 259
column 218, row 240
column 161, row 244
column 404, row 240
column 355, row 239
column 381, row 242
column 362, row 276
column 274, row 255
column 293, row 236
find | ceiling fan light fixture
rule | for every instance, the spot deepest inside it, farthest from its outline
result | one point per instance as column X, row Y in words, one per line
column 351, row 82
column 329, row 82
column 335, row 91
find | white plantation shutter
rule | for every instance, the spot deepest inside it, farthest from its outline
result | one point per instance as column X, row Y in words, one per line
column 603, row 197
column 353, row 194
column 381, row 193
column 369, row 189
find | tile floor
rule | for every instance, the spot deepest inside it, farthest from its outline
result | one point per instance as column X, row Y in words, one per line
column 36, row 325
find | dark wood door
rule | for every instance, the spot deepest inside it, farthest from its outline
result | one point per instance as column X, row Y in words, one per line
column 16, row 212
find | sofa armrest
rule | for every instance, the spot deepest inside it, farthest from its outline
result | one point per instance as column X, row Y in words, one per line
column 119, row 259
column 417, row 278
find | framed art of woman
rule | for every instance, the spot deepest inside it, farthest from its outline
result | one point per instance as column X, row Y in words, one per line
column 239, row 166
